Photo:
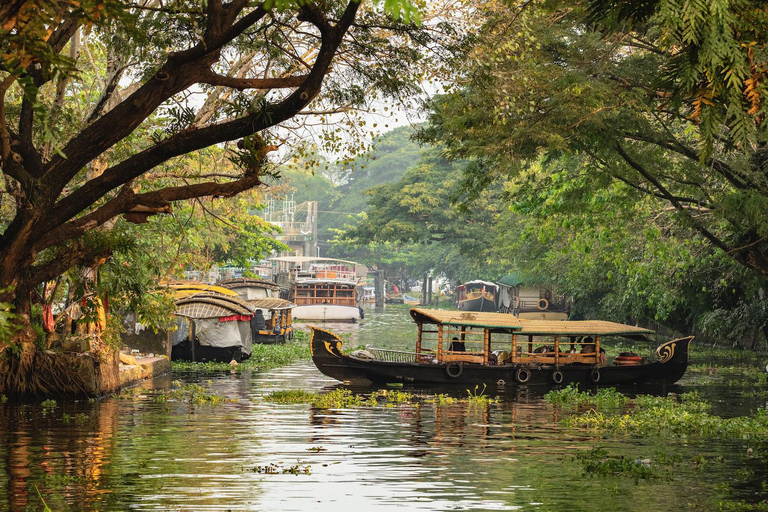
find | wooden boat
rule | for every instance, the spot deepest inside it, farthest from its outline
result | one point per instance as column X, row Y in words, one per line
column 274, row 327
column 477, row 296
column 455, row 347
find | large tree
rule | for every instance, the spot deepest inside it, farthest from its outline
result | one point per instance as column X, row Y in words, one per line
column 110, row 91
column 664, row 97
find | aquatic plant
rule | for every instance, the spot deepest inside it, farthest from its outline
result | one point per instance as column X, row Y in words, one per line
column 570, row 395
column 675, row 415
column 477, row 396
column 192, row 393
column 275, row 469
column 598, row 462
column 49, row 404
column 441, row 399
column 45, row 505
column 3, row 398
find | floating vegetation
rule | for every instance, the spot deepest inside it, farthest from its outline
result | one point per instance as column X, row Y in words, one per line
column 317, row 449
column 3, row 398
column 191, row 393
column 477, row 396
column 345, row 399
column 570, row 395
column 263, row 357
column 277, row 469
column 677, row 415
column 597, row 462
column 79, row 419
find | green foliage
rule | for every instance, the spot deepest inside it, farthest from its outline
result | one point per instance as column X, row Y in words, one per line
column 191, row 393
column 8, row 325
column 570, row 395
column 676, row 415
column 263, row 357
column 598, row 462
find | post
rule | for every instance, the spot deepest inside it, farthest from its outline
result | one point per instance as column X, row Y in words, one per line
column 440, row 343
column 486, row 345
column 378, row 283
column 192, row 336
column 418, row 341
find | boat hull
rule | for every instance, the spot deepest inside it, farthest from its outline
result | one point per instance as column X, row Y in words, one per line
column 327, row 313
column 478, row 304
column 327, row 356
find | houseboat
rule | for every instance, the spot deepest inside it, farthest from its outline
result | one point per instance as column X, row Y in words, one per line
column 323, row 289
column 455, row 347
column 477, row 296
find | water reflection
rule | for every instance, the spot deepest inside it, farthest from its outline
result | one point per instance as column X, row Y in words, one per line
column 146, row 453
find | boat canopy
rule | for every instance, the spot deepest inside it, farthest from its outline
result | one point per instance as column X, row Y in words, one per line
column 271, row 304
column 210, row 305
column 181, row 290
column 581, row 328
column 479, row 284
column 466, row 318
column 247, row 282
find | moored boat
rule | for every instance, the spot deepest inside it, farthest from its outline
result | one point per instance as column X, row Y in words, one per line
column 324, row 289
column 454, row 347
column 477, row 296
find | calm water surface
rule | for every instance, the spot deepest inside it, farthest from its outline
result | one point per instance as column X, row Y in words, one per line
column 143, row 454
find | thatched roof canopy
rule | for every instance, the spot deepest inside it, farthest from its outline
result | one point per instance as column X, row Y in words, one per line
column 209, row 305
column 465, row 318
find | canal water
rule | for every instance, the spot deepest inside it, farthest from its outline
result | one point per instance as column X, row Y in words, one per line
column 143, row 451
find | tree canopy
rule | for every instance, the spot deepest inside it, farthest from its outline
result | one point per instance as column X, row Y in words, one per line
column 97, row 108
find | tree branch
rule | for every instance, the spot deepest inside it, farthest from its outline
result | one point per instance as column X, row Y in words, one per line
column 671, row 198
column 240, row 84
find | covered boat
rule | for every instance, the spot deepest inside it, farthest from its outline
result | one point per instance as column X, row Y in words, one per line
column 272, row 316
column 212, row 327
column 499, row 349
column 477, row 296
column 272, row 320
column 323, row 289
column 251, row 289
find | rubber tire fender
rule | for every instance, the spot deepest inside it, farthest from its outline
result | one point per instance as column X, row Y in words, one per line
column 595, row 376
column 523, row 375
column 459, row 369
column 557, row 377
column 542, row 304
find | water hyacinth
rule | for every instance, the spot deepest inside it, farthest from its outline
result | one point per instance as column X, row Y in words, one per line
column 675, row 415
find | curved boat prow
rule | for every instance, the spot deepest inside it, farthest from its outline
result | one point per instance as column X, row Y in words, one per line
column 673, row 356
column 675, row 351
column 324, row 344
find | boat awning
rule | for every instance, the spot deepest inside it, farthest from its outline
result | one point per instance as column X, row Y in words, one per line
column 479, row 283
column 246, row 282
column 271, row 304
column 582, row 328
column 180, row 290
column 466, row 318
column 313, row 280
column 210, row 305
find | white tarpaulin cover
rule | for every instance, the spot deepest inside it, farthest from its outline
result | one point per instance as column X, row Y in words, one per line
column 213, row 333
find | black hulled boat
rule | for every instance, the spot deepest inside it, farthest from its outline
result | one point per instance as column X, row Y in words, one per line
column 455, row 347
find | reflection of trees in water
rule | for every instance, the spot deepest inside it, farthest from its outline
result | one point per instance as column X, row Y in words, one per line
column 63, row 461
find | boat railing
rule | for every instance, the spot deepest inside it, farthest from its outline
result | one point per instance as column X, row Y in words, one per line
column 393, row 356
